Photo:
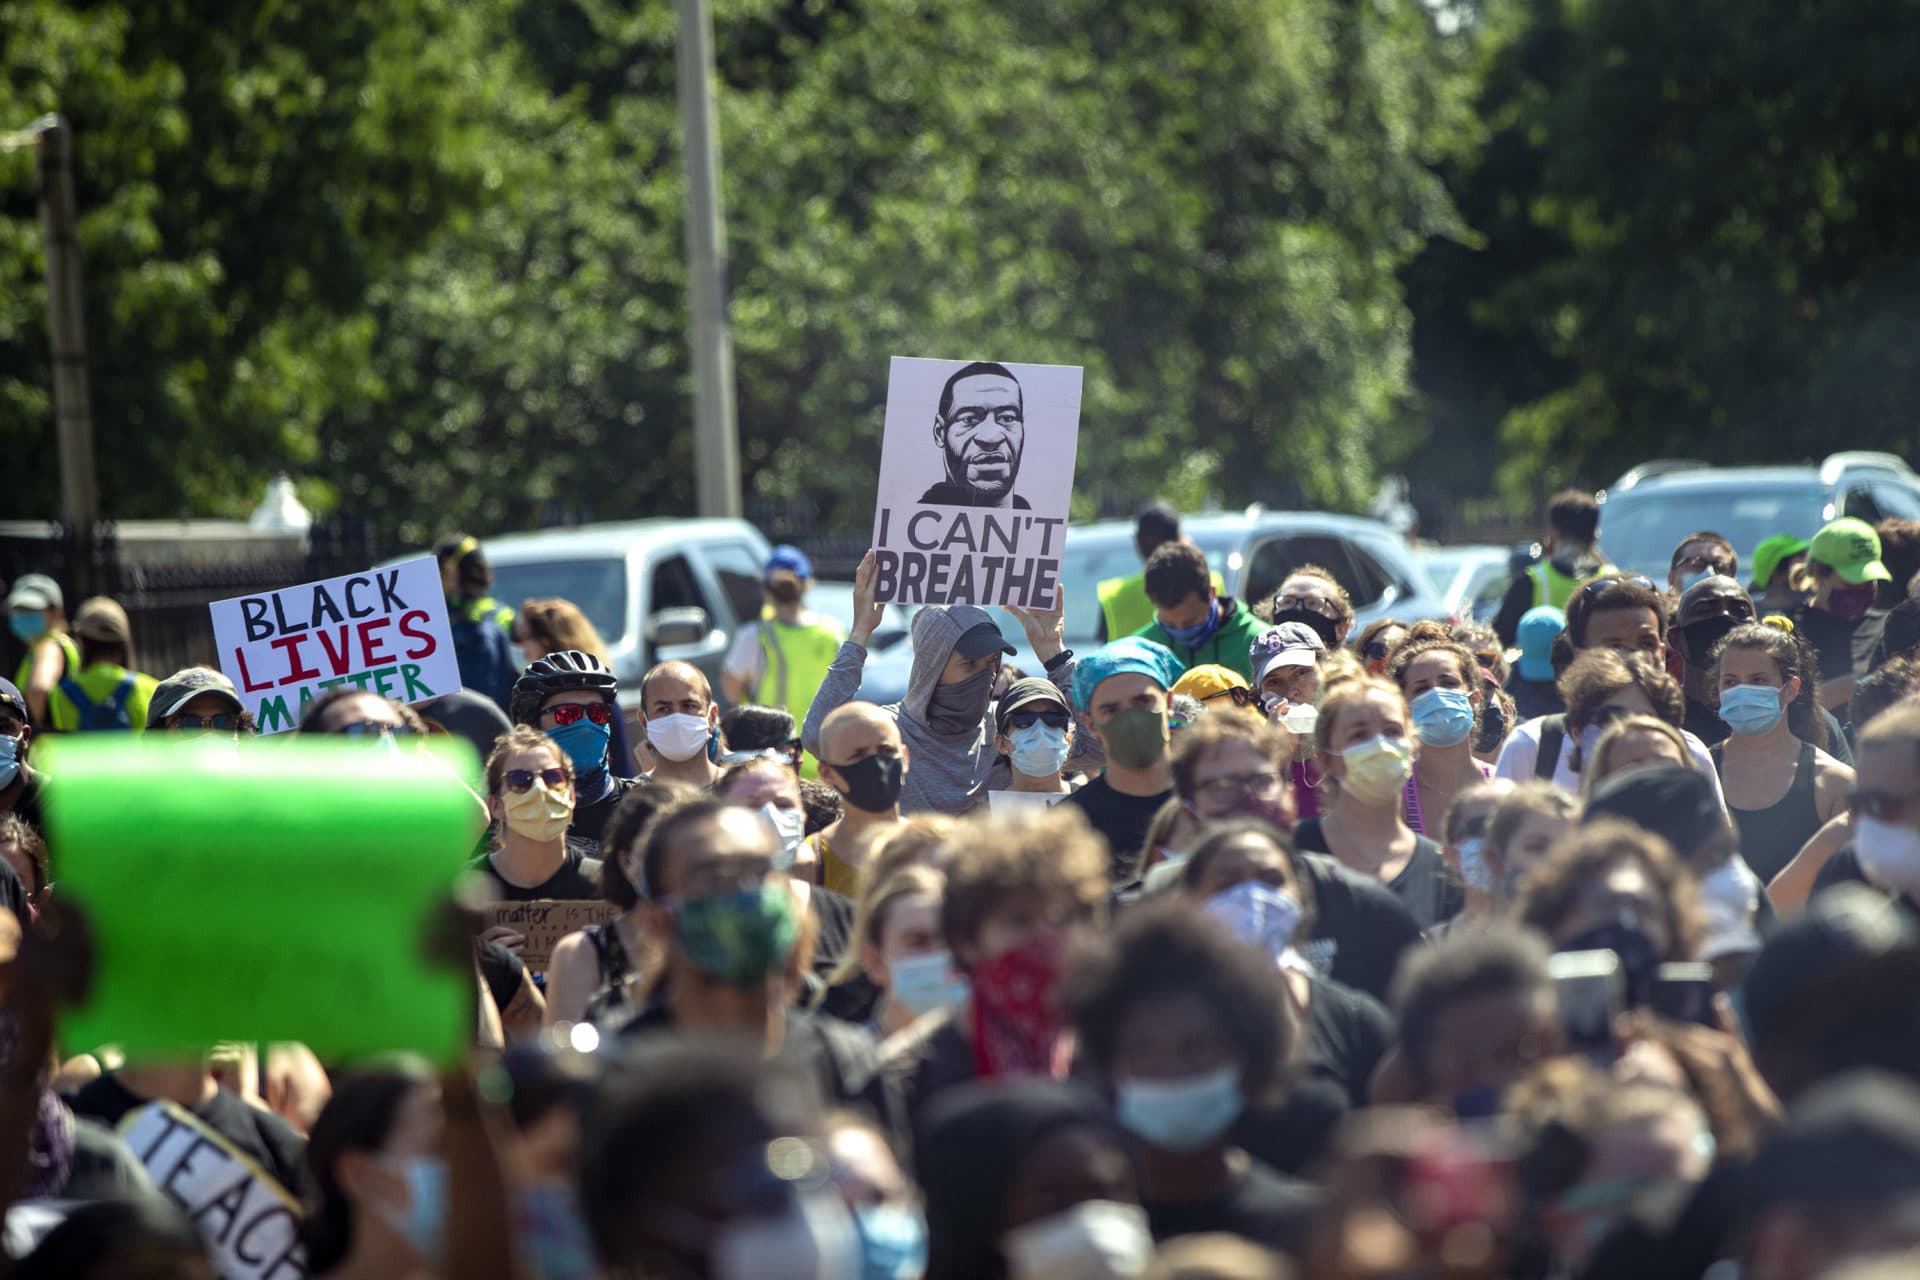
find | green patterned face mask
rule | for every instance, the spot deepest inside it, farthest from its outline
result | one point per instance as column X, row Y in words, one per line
column 739, row 938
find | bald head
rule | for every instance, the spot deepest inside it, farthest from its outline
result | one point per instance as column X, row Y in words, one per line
column 855, row 731
column 675, row 687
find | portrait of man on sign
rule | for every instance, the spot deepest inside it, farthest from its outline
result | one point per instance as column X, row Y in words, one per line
column 981, row 429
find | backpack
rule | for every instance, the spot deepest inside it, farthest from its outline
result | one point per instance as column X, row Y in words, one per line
column 1553, row 732
column 111, row 714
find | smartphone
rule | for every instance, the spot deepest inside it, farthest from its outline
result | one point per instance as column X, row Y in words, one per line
column 1683, row 992
column 1593, row 991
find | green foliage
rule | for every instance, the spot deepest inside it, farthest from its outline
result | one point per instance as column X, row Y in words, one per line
column 427, row 255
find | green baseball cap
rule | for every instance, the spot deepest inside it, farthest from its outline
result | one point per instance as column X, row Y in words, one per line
column 1767, row 557
column 1851, row 549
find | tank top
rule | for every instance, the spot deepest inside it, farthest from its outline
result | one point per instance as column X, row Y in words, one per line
column 1770, row 837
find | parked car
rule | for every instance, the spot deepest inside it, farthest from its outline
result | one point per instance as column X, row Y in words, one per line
column 656, row 590
column 1649, row 510
column 1470, row 579
column 1253, row 552
column 889, row 665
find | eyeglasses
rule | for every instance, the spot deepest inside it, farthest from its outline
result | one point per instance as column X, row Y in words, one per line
column 1241, row 697
column 521, row 780
column 1487, row 661
column 1881, row 806
column 1718, row 564
column 1262, row 784
column 1313, row 604
column 1594, row 588
column 376, row 729
column 570, row 713
column 1053, row 718
column 1377, row 650
column 220, row 722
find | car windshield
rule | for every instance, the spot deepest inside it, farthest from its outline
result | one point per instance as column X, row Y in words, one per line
column 1087, row 564
column 599, row 587
column 1638, row 531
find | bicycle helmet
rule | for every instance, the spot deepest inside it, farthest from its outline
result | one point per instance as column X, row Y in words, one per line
column 567, row 671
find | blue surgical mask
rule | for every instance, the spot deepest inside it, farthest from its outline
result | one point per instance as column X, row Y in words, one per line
column 424, row 1224
column 893, row 1242
column 585, row 744
column 1258, row 914
column 27, row 625
column 1180, row 1115
column 1698, row 575
column 1190, row 637
column 1750, row 709
column 1442, row 717
column 9, row 760
column 1038, row 750
column 926, row 982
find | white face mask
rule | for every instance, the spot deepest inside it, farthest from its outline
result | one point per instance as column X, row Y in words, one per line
column 679, row 737
column 1889, row 854
column 1094, row 1240
column 1473, row 865
column 812, row 1239
column 791, row 826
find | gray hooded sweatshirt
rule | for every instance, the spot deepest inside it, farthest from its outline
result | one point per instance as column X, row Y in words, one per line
column 947, row 773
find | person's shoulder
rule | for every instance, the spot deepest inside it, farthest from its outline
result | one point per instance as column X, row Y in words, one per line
column 104, row 1099
column 1696, row 748
column 1350, row 1006
column 925, row 1038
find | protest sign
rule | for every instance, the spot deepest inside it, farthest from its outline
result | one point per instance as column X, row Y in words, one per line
column 384, row 630
column 264, row 893
column 976, row 475
column 544, row 921
column 248, row 1222
column 1023, row 801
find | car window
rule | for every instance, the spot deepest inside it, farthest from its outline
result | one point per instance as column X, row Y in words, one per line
column 673, row 586
column 1640, row 528
column 738, row 569
column 1279, row 556
column 1371, row 578
column 598, row 587
column 1087, row 564
column 1895, row 500
column 1859, row 504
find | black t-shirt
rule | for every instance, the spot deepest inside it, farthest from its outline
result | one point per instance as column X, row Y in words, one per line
column 577, row 880
column 1348, row 1032
column 502, row 971
column 26, row 801
column 1261, row 1206
column 927, row 1059
column 1425, row 886
column 1360, row 928
column 266, row 1139
column 590, row 818
column 1122, row 819
column 1845, row 648
column 1294, row 1135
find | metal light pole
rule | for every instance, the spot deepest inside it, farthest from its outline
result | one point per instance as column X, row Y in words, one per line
column 52, row 141
column 716, row 433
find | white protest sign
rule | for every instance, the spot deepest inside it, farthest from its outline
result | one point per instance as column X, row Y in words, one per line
column 249, row 1223
column 384, row 630
column 976, row 475
column 1023, row 801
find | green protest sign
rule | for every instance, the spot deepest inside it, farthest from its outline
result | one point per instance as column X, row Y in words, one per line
column 262, row 891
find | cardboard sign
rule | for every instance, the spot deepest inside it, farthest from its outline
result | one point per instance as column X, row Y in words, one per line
column 1023, row 801
column 384, row 630
column 545, row 921
column 976, row 476
column 248, row 1222
column 253, row 891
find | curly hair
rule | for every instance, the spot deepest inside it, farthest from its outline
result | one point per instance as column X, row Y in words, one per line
column 919, row 841
column 1342, row 602
column 1552, row 893
column 1794, row 659
column 1415, row 647
column 1616, row 591
column 1599, row 674
column 1514, row 810
column 1213, row 732
column 1600, row 768
column 1172, row 950
column 1373, row 631
column 1053, row 853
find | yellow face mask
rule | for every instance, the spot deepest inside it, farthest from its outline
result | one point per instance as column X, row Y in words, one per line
column 539, row 814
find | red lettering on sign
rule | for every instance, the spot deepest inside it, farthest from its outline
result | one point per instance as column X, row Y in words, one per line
column 297, row 668
column 246, row 677
column 368, row 640
column 342, row 658
column 408, row 621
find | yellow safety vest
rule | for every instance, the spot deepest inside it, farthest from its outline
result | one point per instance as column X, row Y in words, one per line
column 68, row 650
column 797, row 659
column 105, row 695
column 477, row 611
column 1125, row 604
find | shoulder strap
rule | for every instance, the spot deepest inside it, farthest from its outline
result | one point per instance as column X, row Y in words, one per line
column 1718, row 754
column 1553, row 733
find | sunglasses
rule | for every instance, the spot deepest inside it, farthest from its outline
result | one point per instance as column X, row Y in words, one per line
column 1598, row 585
column 1240, row 697
column 376, row 729
column 521, row 780
column 220, row 722
column 1053, row 718
column 1881, row 806
column 788, row 755
column 1377, row 650
column 1719, row 565
column 1313, row 604
column 571, row 712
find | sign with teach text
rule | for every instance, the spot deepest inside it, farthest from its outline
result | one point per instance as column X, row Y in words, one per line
column 976, row 476
column 384, row 630
column 248, row 1222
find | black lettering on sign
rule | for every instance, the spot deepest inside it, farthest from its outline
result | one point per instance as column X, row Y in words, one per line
column 324, row 609
column 231, row 1202
column 917, row 538
column 253, row 610
column 354, row 608
column 390, row 601
column 1008, row 534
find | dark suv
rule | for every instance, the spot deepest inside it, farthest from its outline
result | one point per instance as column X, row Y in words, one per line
column 1648, row 510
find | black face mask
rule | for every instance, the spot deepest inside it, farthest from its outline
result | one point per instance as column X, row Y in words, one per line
column 1703, row 635
column 1322, row 625
column 1639, row 960
column 873, row 784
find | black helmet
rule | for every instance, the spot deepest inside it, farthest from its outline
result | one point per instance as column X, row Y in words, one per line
column 563, row 672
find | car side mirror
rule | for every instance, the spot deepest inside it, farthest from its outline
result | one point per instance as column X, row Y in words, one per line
column 671, row 628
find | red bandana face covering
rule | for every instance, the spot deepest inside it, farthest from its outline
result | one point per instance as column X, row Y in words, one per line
column 1017, row 1028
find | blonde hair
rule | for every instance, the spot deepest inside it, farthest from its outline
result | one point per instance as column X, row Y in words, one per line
column 877, row 900
column 1337, row 699
column 918, row 841
column 1600, row 768
column 1029, row 856
column 559, row 625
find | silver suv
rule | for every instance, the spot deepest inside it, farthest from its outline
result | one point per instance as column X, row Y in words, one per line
column 1650, row 509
